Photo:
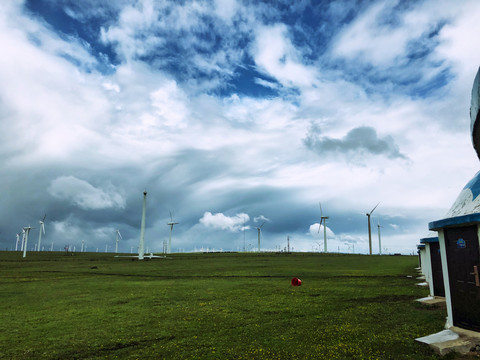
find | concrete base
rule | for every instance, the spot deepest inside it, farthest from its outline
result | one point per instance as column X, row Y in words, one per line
column 433, row 301
column 452, row 340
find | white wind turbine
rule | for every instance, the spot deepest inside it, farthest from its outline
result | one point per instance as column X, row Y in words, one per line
column 141, row 246
column 259, row 230
column 141, row 250
column 18, row 239
column 379, row 240
column 324, row 220
column 25, row 236
column 171, row 224
column 117, row 236
column 42, row 229
column 370, row 229
column 23, row 239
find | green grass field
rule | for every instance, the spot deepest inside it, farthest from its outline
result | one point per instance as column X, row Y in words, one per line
column 213, row 306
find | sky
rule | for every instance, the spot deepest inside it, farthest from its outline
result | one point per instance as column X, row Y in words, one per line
column 233, row 114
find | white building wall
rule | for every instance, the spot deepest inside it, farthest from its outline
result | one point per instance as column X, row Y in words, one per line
column 428, row 268
column 446, row 280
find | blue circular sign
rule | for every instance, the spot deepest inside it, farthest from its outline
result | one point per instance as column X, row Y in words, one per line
column 461, row 244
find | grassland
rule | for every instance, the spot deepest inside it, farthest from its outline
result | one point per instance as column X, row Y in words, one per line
column 213, row 306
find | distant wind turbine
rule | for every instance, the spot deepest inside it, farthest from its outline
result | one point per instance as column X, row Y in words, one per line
column 379, row 240
column 117, row 236
column 324, row 220
column 26, row 232
column 141, row 250
column 171, row 224
column 23, row 239
column 42, row 229
column 259, row 230
column 18, row 239
column 370, row 229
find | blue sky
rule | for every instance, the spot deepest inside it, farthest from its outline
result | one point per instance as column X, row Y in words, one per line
column 231, row 112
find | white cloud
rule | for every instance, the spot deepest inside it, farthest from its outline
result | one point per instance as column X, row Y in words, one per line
column 223, row 222
column 274, row 54
column 313, row 230
column 84, row 195
column 226, row 9
column 380, row 42
column 169, row 104
column 260, row 218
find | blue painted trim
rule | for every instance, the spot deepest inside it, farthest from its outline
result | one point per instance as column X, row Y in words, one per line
column 429, row 240
column 420, row 247
column 455, row 221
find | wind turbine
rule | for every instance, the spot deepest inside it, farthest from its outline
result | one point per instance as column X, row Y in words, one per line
column 141, row 247
column 379, row 240
column 324, row 220
column 370, row 229
column 259, row 230
column 42, row 228
column 26, row 232
column 23, row 239
column 117, row 235
column 142, row 228
column 171, row 224
column 18, row 239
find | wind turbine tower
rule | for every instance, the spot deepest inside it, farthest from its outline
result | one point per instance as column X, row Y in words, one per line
column 23, row 239
column 27, row 231
column 379, row 240
column 42, row 229
column 171, row 224
column 324, row 220
column 370, row 229
column 142, row 228
column 117, row 236
column 18, row 239
column 259, row 230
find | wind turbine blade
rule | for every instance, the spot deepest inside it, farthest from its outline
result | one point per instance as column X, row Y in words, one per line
column 262, row 224
column 374, row 208
column 320, row 226
column 44, row 216
column 321, row 212
column 43, row 228
column 120, row 235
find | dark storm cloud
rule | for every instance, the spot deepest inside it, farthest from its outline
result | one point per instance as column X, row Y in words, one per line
column 359, row 141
